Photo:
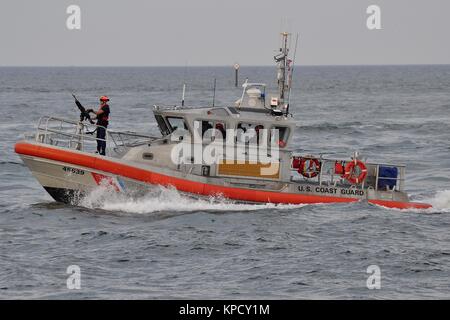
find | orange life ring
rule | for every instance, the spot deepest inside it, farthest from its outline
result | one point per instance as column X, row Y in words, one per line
column 350, row 173
column 309, row 167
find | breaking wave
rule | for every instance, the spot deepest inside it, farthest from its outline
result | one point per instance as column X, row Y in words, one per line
column 441, row 201
column 163, row 199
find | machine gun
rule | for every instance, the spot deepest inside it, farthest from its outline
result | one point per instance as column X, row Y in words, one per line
column 84, row 114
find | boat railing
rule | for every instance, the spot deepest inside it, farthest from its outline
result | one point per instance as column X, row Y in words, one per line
column 81, row 136
column 375, row 179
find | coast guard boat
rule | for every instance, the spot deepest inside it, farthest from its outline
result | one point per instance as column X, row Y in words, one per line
column 241, row 152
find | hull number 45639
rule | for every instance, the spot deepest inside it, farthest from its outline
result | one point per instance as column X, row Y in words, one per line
column 73, row 170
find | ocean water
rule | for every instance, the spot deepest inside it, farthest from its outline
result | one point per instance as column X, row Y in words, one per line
column 167, row 245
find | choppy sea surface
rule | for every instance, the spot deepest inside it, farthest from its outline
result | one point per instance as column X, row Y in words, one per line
column 167, row 245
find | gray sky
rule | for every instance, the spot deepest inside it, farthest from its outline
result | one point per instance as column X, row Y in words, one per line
column 221, row 32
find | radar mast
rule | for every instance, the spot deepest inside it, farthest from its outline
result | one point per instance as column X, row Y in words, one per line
column 283, row 67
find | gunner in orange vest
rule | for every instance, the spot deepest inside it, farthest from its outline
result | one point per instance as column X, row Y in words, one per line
column 102, row 116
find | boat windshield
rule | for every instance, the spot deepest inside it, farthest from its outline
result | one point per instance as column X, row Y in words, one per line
column 176, row 123
column 162, row 125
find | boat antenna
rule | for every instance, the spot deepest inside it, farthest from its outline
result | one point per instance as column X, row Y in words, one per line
column 182, row 97
column 214, row 92
column 291, row 75
column 184, row 84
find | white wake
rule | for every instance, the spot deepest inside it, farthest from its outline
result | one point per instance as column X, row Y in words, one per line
column 441, row 201
column 163, row 199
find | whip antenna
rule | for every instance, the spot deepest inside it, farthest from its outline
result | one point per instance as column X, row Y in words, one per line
column 184, row 85
column 182, row 98
column 214, row 92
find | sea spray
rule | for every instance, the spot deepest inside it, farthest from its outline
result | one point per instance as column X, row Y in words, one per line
column 160, row 198
column 441, row 201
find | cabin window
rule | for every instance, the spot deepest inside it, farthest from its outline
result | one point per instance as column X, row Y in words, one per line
column 249, row 132
column 279, row 136
column 176, row 123
column 162, row 125
column 206, row 127
column 220, row 130
column 211, row 130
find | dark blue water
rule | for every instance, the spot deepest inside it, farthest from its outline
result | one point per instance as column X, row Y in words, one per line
column 170, row 246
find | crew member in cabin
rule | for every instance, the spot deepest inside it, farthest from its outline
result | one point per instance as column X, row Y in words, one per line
column 102, row 116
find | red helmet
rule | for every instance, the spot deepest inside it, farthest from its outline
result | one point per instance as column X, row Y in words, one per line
column 104, row 98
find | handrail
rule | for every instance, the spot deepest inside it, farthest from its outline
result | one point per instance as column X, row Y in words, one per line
column 131, row 133
column 298, row 152
column 330, row 171
column 46, row 130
